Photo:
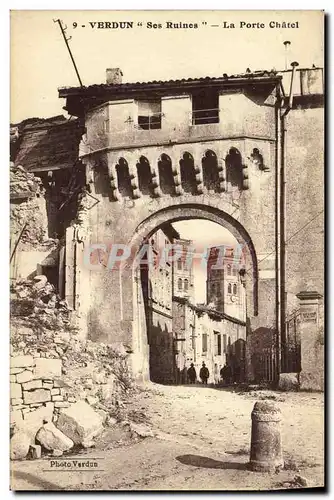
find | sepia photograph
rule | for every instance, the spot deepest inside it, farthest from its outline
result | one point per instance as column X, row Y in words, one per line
column 167, row 321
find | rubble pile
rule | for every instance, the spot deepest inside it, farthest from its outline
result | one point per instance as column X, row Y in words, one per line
column 58, row 379
column 23, row 182
column 28, row 209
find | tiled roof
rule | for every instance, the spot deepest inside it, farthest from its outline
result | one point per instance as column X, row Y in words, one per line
column 46, row 144
column 248, row 75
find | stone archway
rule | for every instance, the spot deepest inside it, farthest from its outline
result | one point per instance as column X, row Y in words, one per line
column 173, row 214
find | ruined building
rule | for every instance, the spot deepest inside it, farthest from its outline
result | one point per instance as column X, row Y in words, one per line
column 241, row 151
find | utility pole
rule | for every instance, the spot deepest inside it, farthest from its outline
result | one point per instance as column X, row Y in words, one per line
column 62, row 29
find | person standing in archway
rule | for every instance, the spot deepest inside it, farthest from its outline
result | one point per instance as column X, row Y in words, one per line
column 204, row 373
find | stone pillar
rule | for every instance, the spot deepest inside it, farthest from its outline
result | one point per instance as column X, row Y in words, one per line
column 266, row 446
column 312, row 348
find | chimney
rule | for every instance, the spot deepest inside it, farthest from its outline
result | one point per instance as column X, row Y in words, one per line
column 114, row 76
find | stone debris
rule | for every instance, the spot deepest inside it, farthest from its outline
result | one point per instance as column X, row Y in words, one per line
column 52, row 438
column 35, row 419
column 19, row 445
column 35, row 451
column 141, row 430
column 301, row 480
column 289, row 382
column 57, row 453
column 80, row 423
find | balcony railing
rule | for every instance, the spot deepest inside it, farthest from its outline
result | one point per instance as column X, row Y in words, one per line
column 205, row 116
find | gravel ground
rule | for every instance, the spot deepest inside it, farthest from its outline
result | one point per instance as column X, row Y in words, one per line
column 201, row 440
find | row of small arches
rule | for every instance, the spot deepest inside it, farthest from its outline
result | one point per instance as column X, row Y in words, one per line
column 185, row 177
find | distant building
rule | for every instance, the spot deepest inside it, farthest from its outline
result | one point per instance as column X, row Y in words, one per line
column 184, row 271
column 224, row 287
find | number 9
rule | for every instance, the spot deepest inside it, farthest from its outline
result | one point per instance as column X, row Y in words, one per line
column 75, row 25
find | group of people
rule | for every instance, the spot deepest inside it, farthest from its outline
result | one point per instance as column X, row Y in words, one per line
column 204, row 374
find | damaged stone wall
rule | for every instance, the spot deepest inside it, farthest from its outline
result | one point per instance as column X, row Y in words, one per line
column 29, row 241
column 56, row 377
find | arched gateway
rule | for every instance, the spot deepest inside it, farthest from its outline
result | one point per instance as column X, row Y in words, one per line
column 155, row 154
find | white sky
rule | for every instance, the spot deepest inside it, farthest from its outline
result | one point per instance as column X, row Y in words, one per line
column 40, row 62
column 204, row 234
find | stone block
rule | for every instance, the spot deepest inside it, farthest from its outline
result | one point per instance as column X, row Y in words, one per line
column 47, row 368
column 52, row 438
column 26, row 410
column 16, row 401
column 57, row 453
column 80, row 423
column 19, row 445
column 34, row 384
column 35, row 405
column 55, row 392
column 21, row 361
column 35, row 451
column 57, row 398
column 13, row 379
column 36, row 396
column 48, row 385
column 62, row 404
column 16, row 417
column 288, row 382
column 34, row 420
column 15, row 391
column 14, row 371
column 25, row 376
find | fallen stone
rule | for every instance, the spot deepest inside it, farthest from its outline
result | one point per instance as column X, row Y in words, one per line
column 36, row 396
column 80, row 423
column 40, row 281
column 35, row 419
column 16, row 417
column 15, row 391
column 301, row 480
column 91, row 400
column 21, row 361
column 35, row 405
column 62, row 404
column 47, row 368
column 141, row 430
column 34, row 384
column 25, row 376
column 288, row 382
column 57, row 453
column 52, row 438
column 35, row 451
column 72, row 399
column 19, row 445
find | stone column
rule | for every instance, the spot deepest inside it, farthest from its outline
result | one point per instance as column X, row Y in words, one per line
column 312, row 348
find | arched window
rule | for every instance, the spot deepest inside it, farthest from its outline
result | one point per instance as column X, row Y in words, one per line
column 188, row 173
column 229, row 288
column 210, row 171
column 228, row 270
column 144, row 176
column 179, row 264
column 186, row 285
column 166, row 175
column 123, row 178
column 234, row 289
column 179, row 284
column 234, row 168
column 234, row 271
